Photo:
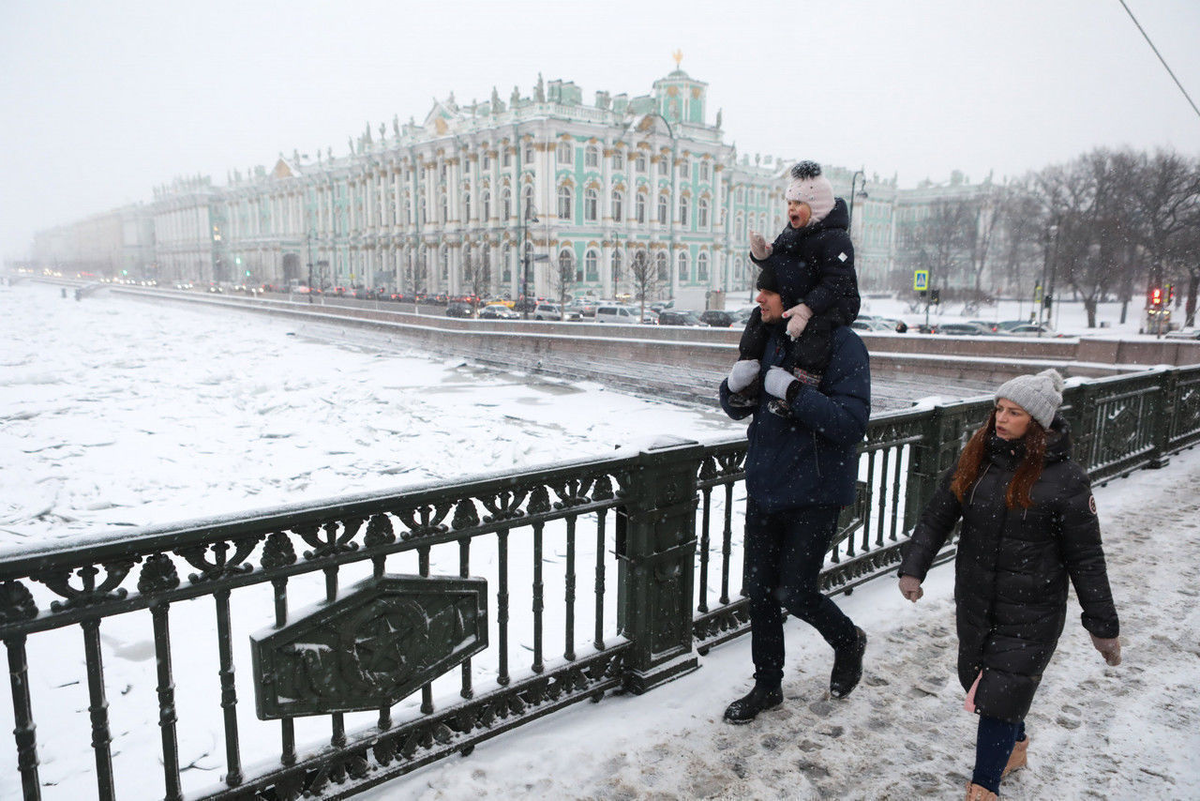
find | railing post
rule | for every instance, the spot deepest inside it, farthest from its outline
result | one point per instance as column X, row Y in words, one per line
column 922, row 469
column 1168, row 382
column 657, row 552
column 1080, row 412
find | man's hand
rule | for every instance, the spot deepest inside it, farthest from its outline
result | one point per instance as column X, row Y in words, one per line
column 759, row 247
column 777, row 382
column 1110, row 649
column 910, row 588
column 743, row 374
column 797, row 317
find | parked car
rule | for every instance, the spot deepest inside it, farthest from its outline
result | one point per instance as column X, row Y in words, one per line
column 872, row 326
column 963, row 330
column 1006, row 325
column 1030, row 330
column 458, row 310
column 498, row 311
column 679, row 317
column 622, row 315
column 552, row 311
column 718, row 318
column 659, row 305
column 585, row 306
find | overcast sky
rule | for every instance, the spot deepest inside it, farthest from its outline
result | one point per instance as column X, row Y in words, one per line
column 101, row 101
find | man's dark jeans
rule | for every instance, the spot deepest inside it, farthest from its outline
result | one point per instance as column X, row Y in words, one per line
column 784, row 553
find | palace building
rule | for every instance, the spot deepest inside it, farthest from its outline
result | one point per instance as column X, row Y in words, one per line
column 534, row 194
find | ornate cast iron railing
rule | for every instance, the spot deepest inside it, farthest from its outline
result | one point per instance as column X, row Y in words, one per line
column 401, row 587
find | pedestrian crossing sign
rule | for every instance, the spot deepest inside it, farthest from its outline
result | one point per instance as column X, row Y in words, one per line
column 920, row 280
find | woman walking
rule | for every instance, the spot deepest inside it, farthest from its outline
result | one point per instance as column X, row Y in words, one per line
column 1028, row 523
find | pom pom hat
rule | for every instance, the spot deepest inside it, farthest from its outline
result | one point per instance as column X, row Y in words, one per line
column 1040, row 394
column 810, row 186
column 767, row 280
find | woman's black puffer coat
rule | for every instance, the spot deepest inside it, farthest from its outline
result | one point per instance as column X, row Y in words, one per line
column 1011, row 570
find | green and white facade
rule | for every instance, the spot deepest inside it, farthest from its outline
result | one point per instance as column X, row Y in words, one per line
column 411, row 205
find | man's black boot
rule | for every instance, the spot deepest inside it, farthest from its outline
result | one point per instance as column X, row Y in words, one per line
column 746, row 708
column 847, row 666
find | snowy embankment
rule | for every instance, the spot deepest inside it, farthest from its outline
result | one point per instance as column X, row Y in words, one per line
column 1131, row 732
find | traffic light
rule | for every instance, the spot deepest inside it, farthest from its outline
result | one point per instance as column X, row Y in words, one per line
column 1048, row 301
column 935, row 296
column 1156, row 297
column 1170, row 294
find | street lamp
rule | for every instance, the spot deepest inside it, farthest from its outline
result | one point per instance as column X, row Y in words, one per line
column 1047, row 288
column 527, row 216
column 853, row 179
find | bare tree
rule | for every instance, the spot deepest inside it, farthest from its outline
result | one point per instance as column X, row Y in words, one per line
column 1166, row 195
column 940, row 242
column 565, row 277
column 476, row 278
column 1094, row 246
column 644, row 279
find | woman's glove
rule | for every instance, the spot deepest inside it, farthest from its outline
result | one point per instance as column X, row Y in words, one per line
column 1110, row 649
column 777, row 382
column 910, row 588
column 743, row 374
column 797, row 317
column 759, row 247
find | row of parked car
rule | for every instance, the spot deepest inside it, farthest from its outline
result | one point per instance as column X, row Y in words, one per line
column 968, row 328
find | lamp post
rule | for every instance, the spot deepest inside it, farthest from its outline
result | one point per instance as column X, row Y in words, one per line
column 527, row 216
column 1047, row 292
column 853, row 180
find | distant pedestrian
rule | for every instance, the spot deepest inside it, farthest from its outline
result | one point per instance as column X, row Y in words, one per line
column 800, row 471
column 1028, row 524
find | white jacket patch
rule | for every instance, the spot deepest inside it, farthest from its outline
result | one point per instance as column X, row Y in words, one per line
column 842, row 257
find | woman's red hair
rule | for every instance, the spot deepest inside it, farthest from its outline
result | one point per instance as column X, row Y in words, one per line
column 1028, row 471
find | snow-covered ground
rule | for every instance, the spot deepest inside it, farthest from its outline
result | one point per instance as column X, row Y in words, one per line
column 1131, row 732
column 122, row 412
column 116, row 412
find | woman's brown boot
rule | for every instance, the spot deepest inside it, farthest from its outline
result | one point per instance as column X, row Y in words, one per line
column 977, row 793
column 1018, row 758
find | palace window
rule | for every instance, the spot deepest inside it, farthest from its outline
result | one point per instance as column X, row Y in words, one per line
column 702, row 267
column 684, row 168
column 704, row 170
column 529, row 215
column 529, row 152
column 507, row 265
column 618, row 160
column 507, row 157
column 616, row 266
column 640, row 207
column 591, row 204
column 591, row 262
column 641, row 163
column 618, row 206
column 702, row 214
column 565, row 152
column 564, row 202
column 485, row 162
column 487, row 206
column 592, row 156
column 506, row 204
column 683, row 211
column 683, row 266
column 662, row 210
column 467, row 205
column 664, row 268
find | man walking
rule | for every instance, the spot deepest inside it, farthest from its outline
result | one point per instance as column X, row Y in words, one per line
column 800, row 471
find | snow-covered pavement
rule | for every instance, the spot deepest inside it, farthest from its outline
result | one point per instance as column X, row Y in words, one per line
column 1131, row 732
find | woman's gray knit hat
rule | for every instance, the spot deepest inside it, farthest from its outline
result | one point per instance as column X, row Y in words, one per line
column 1040, row 394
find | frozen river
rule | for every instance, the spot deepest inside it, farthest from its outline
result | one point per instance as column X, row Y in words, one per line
column 116, row 412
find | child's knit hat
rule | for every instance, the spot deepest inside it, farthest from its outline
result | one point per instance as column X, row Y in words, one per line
column 810, row 186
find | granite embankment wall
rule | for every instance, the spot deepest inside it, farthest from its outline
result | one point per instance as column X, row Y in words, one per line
column 525, row 342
